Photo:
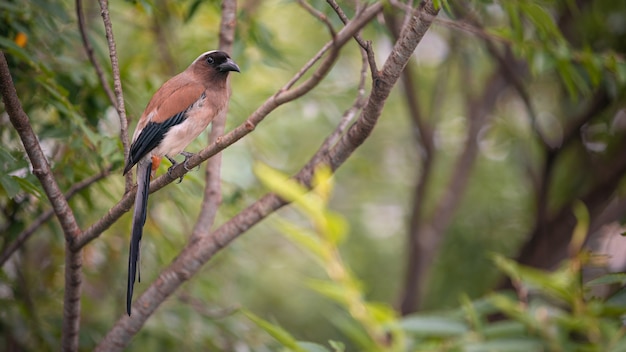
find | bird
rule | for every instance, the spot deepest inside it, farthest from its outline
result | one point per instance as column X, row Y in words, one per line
column 175, row 115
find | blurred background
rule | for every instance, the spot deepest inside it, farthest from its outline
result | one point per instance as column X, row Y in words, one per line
column 508, row 115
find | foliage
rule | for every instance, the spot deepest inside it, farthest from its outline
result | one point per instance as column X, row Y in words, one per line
column 550, row 312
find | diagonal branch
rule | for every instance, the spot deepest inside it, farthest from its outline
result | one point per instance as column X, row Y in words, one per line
column 117, row 85
column 194, row 256
column 41, row 169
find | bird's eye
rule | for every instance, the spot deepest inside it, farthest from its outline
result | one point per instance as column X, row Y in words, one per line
column 210, row 60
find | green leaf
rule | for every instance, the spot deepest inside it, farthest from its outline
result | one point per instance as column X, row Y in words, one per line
column 593, row 66
column 312, row 347
column 337, row 346
column 582, row 225
column 193, row 8
column 303, row 237
column 620, row 72
column 381, row 312
column 290, row 190
column 109, row 147
column 281, row 335
column 355, row 333
column 10, row 47
column 542, row 20
column 322, row 182
column 430, row 326
column 517, row 32
column 564, row 69
column 506, row 345
column 501, row 329
column 609, row 279
column 329, row 289
column 618, row 299
column 336, row 228
column 561, row 284
column 541, row 62
column 30, row 187
column 10, row 185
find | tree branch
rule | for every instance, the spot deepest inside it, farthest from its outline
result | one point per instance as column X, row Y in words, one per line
column 319, row 15
column 551, row 233
column 71, row 297
column 342, row 16
column 117, row 85
column 44, row 217
column 90, row 54
column 196, row 255
column 41, row 169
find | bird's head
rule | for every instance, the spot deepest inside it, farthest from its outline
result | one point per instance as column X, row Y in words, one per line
column 214, row 63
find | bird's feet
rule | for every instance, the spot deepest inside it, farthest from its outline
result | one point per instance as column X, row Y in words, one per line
column 169, row 170
column 187, row 155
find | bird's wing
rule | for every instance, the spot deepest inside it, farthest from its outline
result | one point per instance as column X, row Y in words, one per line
column 167, row 108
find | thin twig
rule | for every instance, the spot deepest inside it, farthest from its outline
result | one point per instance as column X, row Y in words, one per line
column 342, row 16
column 319, row 15
column 201, row 308
column 71, row 231
column 45, row 216
column 338, row 41
column 91, row 55
column 117, row 85
column 306, row 67
column 366, row 45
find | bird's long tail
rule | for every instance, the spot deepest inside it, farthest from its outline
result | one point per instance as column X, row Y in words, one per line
column 144, row 169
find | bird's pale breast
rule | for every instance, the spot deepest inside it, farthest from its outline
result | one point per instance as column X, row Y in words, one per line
column 199, row 115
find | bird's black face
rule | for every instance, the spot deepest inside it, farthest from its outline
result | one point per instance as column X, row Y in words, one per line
column 220, row 61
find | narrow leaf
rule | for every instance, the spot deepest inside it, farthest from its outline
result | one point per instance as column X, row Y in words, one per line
column 281, row 335
column 433, row 326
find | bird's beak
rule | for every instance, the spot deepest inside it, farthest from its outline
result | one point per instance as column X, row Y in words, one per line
column 229, row 65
